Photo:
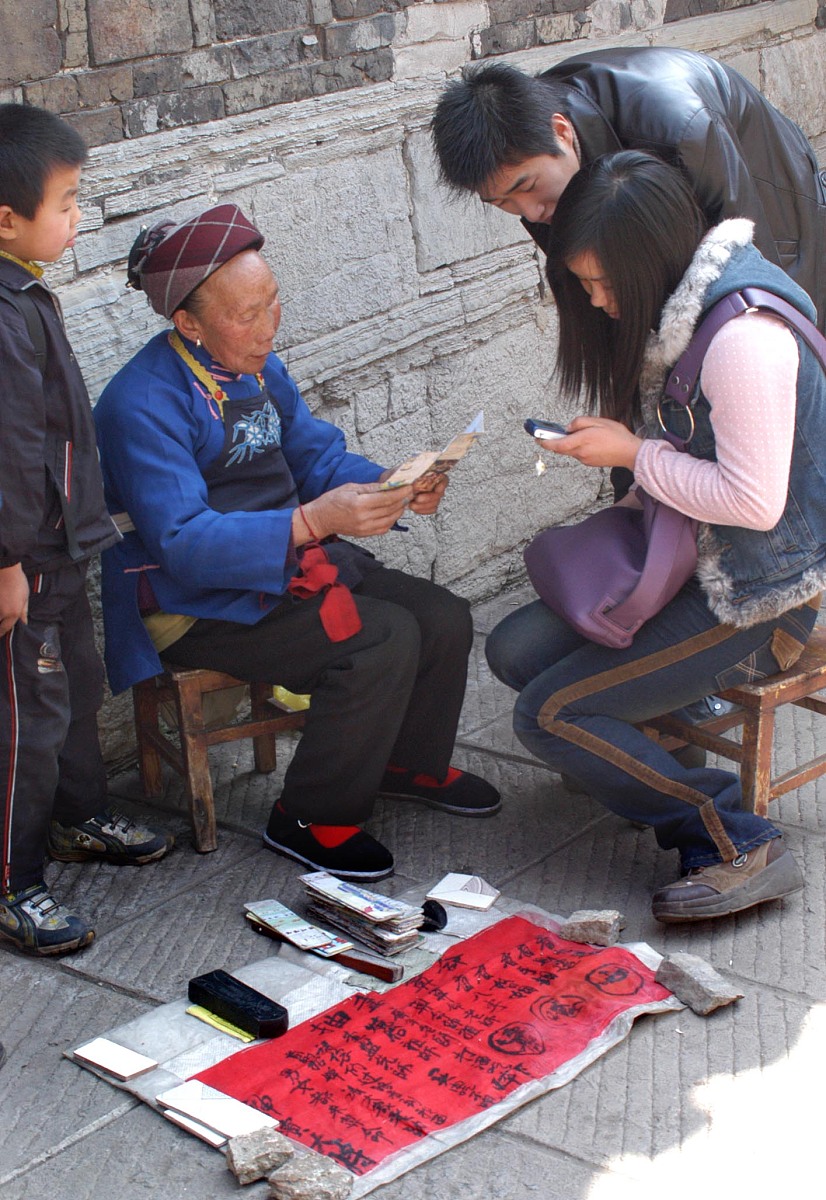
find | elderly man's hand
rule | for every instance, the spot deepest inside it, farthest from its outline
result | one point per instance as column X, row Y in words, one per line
column 354, row 510
column 427, row 493
column 14, row 598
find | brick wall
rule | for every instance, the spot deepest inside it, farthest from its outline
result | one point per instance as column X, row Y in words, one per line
column 124, row 70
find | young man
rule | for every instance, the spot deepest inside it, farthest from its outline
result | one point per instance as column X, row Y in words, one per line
column 52, row 521
column 517, row 140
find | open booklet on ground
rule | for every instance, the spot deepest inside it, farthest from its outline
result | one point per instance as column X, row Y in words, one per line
column 436, row 462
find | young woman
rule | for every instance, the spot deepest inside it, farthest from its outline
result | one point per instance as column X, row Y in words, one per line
column 631, row 256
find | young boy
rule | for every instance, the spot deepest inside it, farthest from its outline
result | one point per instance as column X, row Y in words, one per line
column 52, row 521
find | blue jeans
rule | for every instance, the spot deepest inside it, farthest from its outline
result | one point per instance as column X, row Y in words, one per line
column 579, row 703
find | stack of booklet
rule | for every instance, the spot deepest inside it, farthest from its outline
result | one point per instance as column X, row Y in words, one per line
column 385, row 925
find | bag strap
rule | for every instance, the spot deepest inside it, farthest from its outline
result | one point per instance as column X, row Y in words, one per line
column 683, row 378
column 27, row 308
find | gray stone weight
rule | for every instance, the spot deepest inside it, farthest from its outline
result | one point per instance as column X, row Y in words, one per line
column 310, row 1177
column 255, row 1155
column 598, row 927
column 696, row 983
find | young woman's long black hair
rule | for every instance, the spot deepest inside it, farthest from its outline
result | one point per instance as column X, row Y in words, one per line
column 638, row 217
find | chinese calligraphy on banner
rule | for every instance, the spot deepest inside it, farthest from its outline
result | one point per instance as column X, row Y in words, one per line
column 368, row 1077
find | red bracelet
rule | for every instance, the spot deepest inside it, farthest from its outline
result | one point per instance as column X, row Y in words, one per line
column 310, row 529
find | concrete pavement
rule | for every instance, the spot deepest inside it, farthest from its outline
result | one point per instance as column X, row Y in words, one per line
column 685, row 1107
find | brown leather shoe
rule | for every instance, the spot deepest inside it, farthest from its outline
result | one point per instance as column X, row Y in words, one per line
column 766, row 873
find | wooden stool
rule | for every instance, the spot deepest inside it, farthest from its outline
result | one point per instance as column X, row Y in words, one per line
column 758, row 704
column 186, row 689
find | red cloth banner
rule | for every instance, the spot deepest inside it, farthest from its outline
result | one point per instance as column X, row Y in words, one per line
column 377, row 1072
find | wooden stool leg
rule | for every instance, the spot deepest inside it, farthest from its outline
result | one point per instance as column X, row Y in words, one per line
column 197, row 778
column 756, row 767
column 145, row 701
column 263, row 746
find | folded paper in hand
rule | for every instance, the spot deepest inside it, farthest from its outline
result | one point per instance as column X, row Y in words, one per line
column 436, row 462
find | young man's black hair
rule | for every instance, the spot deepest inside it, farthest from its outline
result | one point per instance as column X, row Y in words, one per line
column 492, row 116
column 32, row 143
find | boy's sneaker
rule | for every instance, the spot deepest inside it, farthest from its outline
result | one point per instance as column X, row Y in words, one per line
column 459, row 793
column 111, row 837
column 34, row 921
column 765, row 873
column 342, row 850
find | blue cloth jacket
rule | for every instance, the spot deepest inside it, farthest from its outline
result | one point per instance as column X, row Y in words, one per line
column 158, row 432
column 751, row 575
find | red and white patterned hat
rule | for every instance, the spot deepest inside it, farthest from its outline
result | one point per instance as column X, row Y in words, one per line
column 169, row 261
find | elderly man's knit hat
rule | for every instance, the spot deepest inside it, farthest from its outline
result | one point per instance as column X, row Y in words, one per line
column 169, row 261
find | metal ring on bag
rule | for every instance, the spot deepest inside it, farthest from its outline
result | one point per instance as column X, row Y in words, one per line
column 664, row 427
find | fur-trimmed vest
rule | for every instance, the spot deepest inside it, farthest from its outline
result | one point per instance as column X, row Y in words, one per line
column 747, row 575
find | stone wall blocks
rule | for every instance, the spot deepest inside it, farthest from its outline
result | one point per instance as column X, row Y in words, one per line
column 192, row 107
column 266, row 54
column 510, row 36
column 249, row 18
column 502, row 11
column 432, row 61
column 30, row 47
column 440, row 22
column 793, row 78
column 203, row 22
column 174, row 187
column 98, row 127
column 346, row 73
column 349, row 10
column 74, row 32
column 58, row 94
column 158, row 75
column 137, row 29
column 200, row 67
column 565, row 28
column 95, row 88
column 348, row 37
column 274, row 87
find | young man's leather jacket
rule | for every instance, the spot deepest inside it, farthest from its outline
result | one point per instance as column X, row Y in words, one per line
column 742, row 156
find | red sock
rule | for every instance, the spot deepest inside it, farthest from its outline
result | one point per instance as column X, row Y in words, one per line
column 330, row 836
column 453, row 774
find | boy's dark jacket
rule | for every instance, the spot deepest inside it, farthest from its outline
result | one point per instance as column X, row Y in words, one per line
column 51, row 495
column 742, row 156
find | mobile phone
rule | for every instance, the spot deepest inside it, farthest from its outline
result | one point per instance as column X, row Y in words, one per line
column 545, row 429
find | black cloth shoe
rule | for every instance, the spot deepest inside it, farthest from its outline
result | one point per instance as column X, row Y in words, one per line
column 766, row 873
column 460, row 793
column 350, row 853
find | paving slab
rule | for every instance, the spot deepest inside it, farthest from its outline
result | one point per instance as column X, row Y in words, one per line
column 45, row 1099
column 725, row 1103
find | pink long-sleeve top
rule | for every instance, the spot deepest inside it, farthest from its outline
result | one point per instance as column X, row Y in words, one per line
column 749, row 377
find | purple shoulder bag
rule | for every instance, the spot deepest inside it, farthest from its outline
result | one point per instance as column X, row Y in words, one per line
column 610, row 573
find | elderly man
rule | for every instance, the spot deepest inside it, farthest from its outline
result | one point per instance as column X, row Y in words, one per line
column 239, row 499
column 517, row 140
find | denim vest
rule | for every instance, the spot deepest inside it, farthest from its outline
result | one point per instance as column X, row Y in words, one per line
column 750, row 575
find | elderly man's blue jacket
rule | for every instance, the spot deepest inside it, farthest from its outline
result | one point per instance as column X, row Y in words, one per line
column 158, row 431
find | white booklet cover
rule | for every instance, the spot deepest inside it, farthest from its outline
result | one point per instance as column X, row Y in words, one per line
column 116, row 1060
column 465, row 891
column 210, row 1107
